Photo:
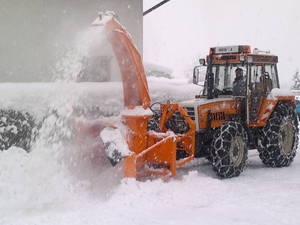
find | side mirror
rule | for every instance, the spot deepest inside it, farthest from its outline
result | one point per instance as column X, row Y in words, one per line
column 202, row 62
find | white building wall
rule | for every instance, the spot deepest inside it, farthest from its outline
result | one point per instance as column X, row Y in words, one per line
column 36, row 34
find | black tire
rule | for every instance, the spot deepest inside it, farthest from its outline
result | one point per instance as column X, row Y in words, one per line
column 277, row 144
column 229, row 150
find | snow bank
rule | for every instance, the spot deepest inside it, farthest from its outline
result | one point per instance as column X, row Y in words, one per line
column 40, row 98
column 195, row 196
column 174, row 90
column 101, row 98
column 154, row 70
column 34, row 182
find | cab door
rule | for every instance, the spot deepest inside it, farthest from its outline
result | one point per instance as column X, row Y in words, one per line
column 263, row 78
column 256, row 93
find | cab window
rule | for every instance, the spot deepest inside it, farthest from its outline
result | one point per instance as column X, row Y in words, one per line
column 224, row 76
column 263, row 78
column 271, row 70
column 256, row 74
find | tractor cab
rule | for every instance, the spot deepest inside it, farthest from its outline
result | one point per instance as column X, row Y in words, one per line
column 236, row 72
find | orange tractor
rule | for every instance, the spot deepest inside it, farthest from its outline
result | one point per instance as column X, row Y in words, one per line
column 218, row 124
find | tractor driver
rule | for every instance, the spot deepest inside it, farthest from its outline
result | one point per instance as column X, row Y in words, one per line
column 239, row 84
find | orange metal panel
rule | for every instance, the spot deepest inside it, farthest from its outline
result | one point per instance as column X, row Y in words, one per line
column 164, row 153
column 217, row 58
column 285, row 98
column 137, row 137
column 161, row 153
column 130, row 169
column 265, row 112
column 135, row 87
column 157, row 149
column 187, row 139
column 228, row 107
column 268, row 107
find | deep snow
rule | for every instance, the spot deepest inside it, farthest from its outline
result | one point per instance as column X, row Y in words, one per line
column 62, row 183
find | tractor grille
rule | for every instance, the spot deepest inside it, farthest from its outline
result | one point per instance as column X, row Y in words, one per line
column 218, row 116
column 190, row 111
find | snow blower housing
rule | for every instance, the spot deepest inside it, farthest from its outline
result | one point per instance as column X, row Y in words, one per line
column 219, row 124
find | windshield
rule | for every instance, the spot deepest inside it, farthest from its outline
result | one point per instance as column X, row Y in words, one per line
column 224, row 76
column 262, row 77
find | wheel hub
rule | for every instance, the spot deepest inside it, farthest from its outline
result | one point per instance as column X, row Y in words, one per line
column 286, row 136
column 237, row 151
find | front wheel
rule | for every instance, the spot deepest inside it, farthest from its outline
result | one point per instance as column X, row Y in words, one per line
column 229, row 150
column 278, row 142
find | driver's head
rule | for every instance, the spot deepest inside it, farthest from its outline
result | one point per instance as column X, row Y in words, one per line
column 239, row 72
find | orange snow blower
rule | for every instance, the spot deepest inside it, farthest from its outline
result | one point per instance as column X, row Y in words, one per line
column 221, row 124
column 151, row 153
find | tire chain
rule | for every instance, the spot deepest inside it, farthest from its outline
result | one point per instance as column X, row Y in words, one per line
column 221, row 162
column 269, row 146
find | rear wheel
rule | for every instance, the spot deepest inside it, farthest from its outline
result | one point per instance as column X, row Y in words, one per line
column 229, row 150
column 279, row 140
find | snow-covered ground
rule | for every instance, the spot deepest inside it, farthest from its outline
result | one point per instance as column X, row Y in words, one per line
column 59, row 183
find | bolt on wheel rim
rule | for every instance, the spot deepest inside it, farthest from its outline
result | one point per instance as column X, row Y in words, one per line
column 237, row 151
